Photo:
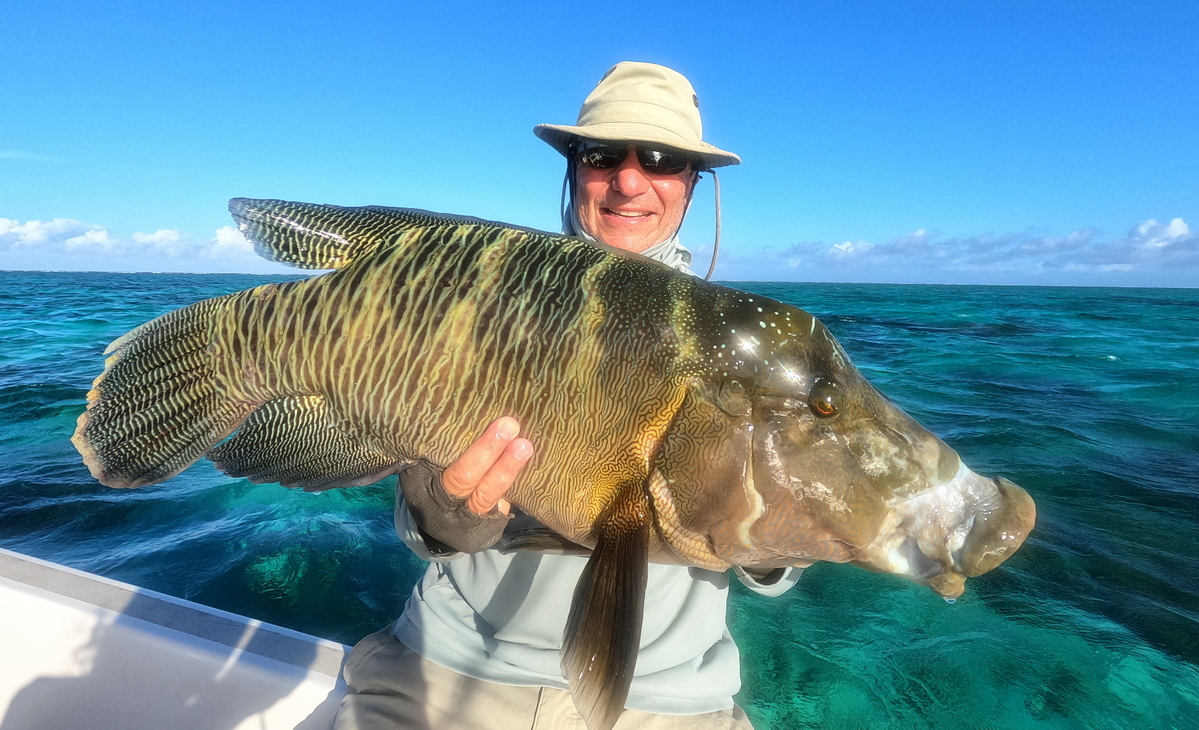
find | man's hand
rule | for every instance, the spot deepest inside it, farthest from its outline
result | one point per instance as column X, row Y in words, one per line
column 462, row 509
column 485, row 472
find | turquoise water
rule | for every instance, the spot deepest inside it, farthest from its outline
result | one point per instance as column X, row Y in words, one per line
column 1088, row 398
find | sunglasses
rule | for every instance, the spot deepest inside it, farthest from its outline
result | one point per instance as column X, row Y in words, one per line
column 602, row 156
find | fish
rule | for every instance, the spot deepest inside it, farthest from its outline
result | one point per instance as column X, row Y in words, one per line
column 676, row 420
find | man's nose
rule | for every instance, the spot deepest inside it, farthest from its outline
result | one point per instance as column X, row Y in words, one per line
column 630, row 178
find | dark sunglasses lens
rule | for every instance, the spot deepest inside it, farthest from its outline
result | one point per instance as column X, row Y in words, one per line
column 605, row 157
column 662, row 163
column 601, row 157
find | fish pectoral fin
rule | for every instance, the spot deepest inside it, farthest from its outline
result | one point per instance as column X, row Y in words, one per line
column 295, row 442
column 539, row 540
column 603, row 632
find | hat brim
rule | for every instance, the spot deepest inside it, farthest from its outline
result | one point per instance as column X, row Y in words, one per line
column 560, row 136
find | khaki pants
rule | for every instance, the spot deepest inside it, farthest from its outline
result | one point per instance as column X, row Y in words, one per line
column 391, row 686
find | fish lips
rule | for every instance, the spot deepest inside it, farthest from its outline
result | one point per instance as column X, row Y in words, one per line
column 962, row 528
column 997, row 534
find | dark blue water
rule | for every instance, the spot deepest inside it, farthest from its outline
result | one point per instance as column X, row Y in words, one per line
column 1089, row 398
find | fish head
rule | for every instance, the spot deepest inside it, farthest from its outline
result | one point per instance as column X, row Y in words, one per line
column 817, row 465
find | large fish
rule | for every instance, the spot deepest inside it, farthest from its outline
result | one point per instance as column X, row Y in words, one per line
column 675, row 420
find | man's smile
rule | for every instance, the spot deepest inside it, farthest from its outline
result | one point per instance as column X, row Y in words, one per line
column 628, row 213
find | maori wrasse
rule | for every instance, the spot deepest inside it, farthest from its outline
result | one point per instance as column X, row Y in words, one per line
column 675, row 420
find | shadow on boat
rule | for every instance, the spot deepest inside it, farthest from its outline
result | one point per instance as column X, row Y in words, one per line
column 83, row 651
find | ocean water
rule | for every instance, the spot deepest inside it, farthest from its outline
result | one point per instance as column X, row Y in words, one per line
column 1088, row 398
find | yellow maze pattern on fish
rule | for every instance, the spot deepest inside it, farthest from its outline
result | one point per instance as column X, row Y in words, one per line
column 429, row 329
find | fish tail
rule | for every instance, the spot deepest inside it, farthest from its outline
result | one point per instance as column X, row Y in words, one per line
column 160, row 403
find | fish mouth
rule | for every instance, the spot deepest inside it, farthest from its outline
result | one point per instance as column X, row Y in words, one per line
column 996, row 535
column 961, row 528
column 919, row 566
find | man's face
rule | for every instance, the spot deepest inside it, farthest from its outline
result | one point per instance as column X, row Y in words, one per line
column 630, row 208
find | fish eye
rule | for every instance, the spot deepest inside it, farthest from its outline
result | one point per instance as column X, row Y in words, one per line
column 824, row 399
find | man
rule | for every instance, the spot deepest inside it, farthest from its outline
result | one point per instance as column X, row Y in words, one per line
column 478, row 644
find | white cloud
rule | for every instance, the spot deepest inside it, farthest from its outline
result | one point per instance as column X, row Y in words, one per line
column 14, row 234
column 1152, row 234
column 92, row 242
column 229, row 242
column 68, row 244
column 22, row 155
column 67, row 236
column 1151, row 253
column 64, row 235
column 164, row 240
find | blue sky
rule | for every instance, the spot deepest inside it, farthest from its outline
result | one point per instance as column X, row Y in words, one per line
column 939, row 142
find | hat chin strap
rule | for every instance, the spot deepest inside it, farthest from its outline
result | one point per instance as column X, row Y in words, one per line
column 716, row 243
column 572, row 227
column 567, row 182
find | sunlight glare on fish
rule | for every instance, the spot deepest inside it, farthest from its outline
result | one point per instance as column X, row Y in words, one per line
column 793, row 376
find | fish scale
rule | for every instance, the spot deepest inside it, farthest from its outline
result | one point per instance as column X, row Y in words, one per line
column 676, row 420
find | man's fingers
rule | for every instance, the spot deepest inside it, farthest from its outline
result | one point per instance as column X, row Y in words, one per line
column 500, row 477
column 462, row 477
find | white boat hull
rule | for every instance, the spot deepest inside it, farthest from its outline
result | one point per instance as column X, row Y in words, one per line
column 81, row 651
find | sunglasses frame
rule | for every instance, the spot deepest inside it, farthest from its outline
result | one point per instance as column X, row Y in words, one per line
column 611, row 155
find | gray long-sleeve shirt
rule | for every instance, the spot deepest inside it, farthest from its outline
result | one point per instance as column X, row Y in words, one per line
column 501, row 617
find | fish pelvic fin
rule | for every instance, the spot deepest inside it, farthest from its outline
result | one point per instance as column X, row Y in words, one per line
column 296, row 442
column 159, row 404
column 313, row 236
column 603, row 631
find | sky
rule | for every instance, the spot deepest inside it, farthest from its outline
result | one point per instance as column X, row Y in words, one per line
column 1003, row 142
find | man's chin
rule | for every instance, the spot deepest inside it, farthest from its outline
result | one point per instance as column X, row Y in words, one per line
column 629, row 236
column 636, row 244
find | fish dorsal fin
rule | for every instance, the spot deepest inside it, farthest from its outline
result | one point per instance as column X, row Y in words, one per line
column 603, row 631
column 295, row 442
column 312, row 236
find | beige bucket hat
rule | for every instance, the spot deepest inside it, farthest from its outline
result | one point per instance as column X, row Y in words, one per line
column 640, row 102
